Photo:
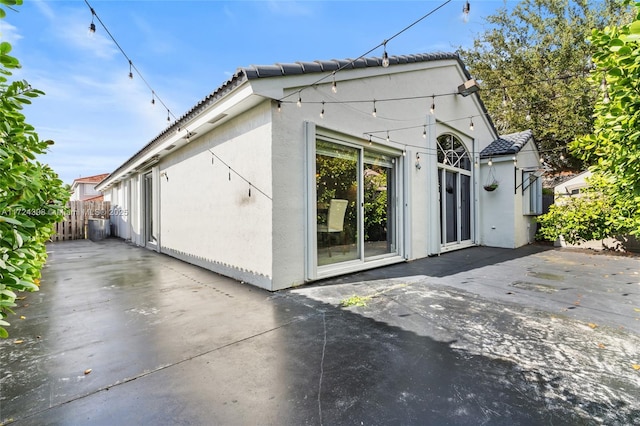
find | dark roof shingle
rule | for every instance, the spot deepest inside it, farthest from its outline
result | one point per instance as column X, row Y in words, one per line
column 507, row 144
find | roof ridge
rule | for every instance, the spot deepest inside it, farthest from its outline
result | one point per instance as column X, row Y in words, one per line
column 317, row 66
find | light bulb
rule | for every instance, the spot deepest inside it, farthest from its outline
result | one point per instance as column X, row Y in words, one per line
column 424, row 132
column 92, row 28
column 490, row 162
column 387, row 136
column 528, row 117
column 279, row 106
column 374, row 112
column 130, row 71
column 471, row 125
column 334, row 86
column 299, row 103
column 385, row 59
column 322, row 112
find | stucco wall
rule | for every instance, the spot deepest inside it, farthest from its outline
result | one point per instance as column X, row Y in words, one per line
column 210, row 219
column 502, row 222
column 418, row 200
column 497, row 208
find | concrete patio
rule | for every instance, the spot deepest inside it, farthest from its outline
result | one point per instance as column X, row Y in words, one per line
column 122, row 335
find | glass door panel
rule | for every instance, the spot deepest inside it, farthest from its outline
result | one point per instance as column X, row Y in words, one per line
column 465, row 207
column 379, row 214
column 451, row 206
column 337, row 212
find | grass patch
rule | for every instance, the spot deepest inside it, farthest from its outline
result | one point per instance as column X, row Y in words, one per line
column 355, row 301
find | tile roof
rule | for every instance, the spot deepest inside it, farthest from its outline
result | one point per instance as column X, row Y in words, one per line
column 91, row 179
column 282, row 69
column 507, row 144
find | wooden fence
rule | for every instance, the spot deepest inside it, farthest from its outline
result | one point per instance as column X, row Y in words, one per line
column 76, row 221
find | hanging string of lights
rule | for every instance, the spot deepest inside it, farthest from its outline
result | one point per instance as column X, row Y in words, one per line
column 234, row 171
column 385, row 55
column 132, row 67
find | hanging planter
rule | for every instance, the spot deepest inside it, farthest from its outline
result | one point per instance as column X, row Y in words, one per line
column 492, row 186
column 492, row 183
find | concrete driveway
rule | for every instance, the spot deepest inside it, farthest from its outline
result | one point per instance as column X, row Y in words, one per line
column 123, row 335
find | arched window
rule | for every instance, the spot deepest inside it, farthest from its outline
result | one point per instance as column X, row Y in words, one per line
column 451, row 151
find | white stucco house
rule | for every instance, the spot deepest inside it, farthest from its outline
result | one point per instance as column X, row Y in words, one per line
column 294, row 172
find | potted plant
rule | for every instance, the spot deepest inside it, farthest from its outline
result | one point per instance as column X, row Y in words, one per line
column 491, row 186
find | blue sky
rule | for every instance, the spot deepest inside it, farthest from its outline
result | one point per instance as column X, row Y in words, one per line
column 98, row 117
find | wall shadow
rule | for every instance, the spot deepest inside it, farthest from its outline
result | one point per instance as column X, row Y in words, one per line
column 441, row 266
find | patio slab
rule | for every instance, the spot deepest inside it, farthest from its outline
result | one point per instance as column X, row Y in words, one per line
column 478, row 336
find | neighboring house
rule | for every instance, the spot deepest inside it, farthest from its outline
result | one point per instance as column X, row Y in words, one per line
column 84, row 188
column 572, row 186
column 277, row 178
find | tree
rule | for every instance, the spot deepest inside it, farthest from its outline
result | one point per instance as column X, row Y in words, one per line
column 32, row 197
column 613, row 148
column 533, row 64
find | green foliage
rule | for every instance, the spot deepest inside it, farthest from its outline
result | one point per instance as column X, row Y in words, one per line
column 32, row 197
column 611, row 205
column 533, row 63
column 594, row 214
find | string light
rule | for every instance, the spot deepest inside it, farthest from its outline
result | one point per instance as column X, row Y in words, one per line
column 385, row 55
column 334, row 86
column 232, row 170
column 387, row 136
column 370, row 140
column 424, row 132
column 153, row 97
column 299, row 103
column 168, row 115
column 432, row 110
column 603, row 84
column 471, row 124
column 130, row 69
column 374, row 112
column 279, row 106
column 322, row 112
column 465, row 11
column 92, row 26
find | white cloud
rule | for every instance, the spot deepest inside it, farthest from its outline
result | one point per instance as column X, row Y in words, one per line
column 45, row 9
column 8, row 32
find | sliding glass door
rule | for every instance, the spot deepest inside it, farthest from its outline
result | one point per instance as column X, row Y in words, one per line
column 355, row 203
